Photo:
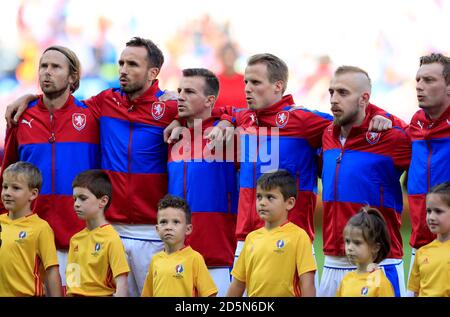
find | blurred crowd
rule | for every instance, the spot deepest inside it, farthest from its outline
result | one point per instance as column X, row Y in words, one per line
column 97, row 35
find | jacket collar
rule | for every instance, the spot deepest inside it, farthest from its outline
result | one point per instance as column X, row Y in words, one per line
column 286, row 101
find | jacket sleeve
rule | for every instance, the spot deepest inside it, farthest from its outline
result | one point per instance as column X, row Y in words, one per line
column 396, row 122
column 402, row 150
column 314, row 124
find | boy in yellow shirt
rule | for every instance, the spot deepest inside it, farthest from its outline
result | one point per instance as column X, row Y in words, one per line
column 277, row 259
column 96, row 263
column 28, row 252
column 178, row 270
column 430, row 274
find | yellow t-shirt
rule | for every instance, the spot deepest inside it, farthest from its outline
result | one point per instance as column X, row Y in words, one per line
column 28, row 249
column 95, row 258
column 430, row 274
column 180, row 274
column 272, row 261
column 371, row 284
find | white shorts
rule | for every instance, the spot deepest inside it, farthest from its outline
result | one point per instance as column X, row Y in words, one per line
column 62, row 261
column 141, row 242
column 240, row 245
column 222, row 279
column 413, row 255
column 335, row 267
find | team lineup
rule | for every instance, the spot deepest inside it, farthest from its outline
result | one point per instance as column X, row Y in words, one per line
column 138, row 192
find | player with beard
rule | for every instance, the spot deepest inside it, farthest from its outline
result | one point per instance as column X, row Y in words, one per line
column 359, row 168
column 59, row 135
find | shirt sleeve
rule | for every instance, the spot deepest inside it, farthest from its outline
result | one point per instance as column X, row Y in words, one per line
column 305, row 257
column 385, row 289
column 147, row 290
column 203, row 282
column 117, row 257
column 46, row 247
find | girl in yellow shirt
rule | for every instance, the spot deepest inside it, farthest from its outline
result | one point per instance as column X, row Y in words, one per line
column 430, row 275
column 367, row 242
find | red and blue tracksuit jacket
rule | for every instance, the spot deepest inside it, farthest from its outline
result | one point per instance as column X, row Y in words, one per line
column 61, row 144
column 430, row 166
column 365, row 171
column 133, row 151
column 291, row 145
column 208, row 182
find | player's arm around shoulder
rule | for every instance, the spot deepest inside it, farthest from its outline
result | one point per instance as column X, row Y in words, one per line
column 402, row 148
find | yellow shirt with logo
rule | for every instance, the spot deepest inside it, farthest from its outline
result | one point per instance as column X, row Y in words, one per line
column 272, row 261
column 430, row 274
column 180, row 274
column 370, row 284
column 28, row 249
column 95, row 258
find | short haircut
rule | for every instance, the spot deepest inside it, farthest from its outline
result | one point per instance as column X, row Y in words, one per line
column 281, row 179
column 345, row 69
column 440, row 59
column 170, row 201
column 211, row 81
column 276, row 67
column 443, row 190
column 74, row 64
column 29, row 171
column 154, row 54
column 97, row 182
column 374, row 230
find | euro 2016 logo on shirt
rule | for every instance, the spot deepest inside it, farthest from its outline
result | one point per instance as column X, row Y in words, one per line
column 158, row 109
column 79, row 121
column 364, row 291
column 97, row 249
column 22, row 236
column 282, row 118
column 179, row 269
column 280, row 245
column 373, row 137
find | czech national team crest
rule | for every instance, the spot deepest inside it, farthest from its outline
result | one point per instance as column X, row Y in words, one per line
column 158, row 109
column 79, row 121
column 373, row 137
column 282, row 118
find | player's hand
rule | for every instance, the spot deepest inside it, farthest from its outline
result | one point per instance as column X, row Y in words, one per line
column 379, row 124
column 15, row 109
column 224, row 130
column 173, row 132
